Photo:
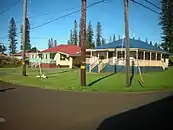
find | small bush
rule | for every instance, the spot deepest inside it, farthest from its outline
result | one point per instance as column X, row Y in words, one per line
column 9, row 62
column 171, row 60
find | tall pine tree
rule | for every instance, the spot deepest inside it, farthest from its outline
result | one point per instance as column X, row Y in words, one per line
column 167, row 25
column 12, row 37
column 99, row 34
column 2, row 48
column 103, row 41
column 71, row 38
column 119, row 37
column 89, row 36
column 55, row 43
column 49, row 43
column 114, row 38
column 151, row 43
column 146, row 40
column 110, row 39
column 156, row 45
column 27, row 44
column 75, row 35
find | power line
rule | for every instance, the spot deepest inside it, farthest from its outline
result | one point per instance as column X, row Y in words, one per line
column 153, row 4
column 45, row 14
column 145, row 7
column 14, row 4
column 95, row 3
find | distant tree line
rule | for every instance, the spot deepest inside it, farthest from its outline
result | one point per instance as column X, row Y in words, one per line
column 2, row 48
column 52, row 43
column 75, row 35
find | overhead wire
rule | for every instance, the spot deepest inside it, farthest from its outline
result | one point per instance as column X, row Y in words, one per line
column 58, row 18
column 145, row 7
column 6, row 10
column 44, row 14
column 95, row 3
column 153, row 4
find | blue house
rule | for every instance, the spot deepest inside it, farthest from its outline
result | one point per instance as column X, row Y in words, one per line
column 111, row 57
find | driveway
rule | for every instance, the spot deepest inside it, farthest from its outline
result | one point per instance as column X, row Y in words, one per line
column 29, row 108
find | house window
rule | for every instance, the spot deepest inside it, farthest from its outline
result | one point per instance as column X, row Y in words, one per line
column 62, row 57
column 121, row 54
column 52, row 55
column 40, row 56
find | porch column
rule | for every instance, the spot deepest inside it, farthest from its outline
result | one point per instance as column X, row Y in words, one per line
column 107, row 53
column 116, row 54
column 44, row 56
column 48, row 56
column 150, row 55
column 71, row 63
column 156, row 56
column 144, row 56
column 161, row 56
column 91, row 59
column 136, row 54
column 98, row 55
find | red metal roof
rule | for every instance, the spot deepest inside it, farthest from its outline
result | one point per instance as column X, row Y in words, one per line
column 27, row 51
column 68, row 49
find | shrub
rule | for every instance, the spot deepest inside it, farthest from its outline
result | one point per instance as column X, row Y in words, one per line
column 6, row 61
column 171, row 60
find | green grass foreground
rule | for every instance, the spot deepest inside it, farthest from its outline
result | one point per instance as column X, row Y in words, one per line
column 67, row 79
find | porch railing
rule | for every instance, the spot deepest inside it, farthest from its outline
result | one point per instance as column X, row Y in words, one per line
column 94, row 64
column 113, row 61
column 102, row 64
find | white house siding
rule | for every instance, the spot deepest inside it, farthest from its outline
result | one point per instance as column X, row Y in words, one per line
column 68, row 60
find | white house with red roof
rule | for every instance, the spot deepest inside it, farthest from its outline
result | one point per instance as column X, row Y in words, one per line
column 60, row 56
column 28, row 53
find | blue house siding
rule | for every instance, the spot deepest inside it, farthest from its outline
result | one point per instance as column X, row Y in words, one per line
column 87, row 67
column 119, row 69
column 145, row 69
column 95, row 69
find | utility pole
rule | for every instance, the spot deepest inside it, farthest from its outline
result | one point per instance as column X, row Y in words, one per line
column 24, row 38
column 83, row 41
column 127, row 43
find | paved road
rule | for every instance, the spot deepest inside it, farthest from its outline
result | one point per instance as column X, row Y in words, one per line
column 27, row 108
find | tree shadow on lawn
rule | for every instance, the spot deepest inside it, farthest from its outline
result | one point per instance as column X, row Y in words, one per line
column 53, row 75
column 155, row 116
column 94, row 82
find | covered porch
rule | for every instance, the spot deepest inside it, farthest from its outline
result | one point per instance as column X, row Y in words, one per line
column 140, row 57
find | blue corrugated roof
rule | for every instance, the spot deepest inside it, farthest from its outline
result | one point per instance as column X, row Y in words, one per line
column 133, row 44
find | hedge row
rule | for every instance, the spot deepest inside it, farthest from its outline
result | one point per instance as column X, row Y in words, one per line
column 6, row 61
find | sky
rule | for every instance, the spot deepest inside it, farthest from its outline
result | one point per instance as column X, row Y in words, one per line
column 143, row 23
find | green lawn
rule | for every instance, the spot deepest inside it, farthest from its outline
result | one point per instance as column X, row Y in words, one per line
column 67, row 79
